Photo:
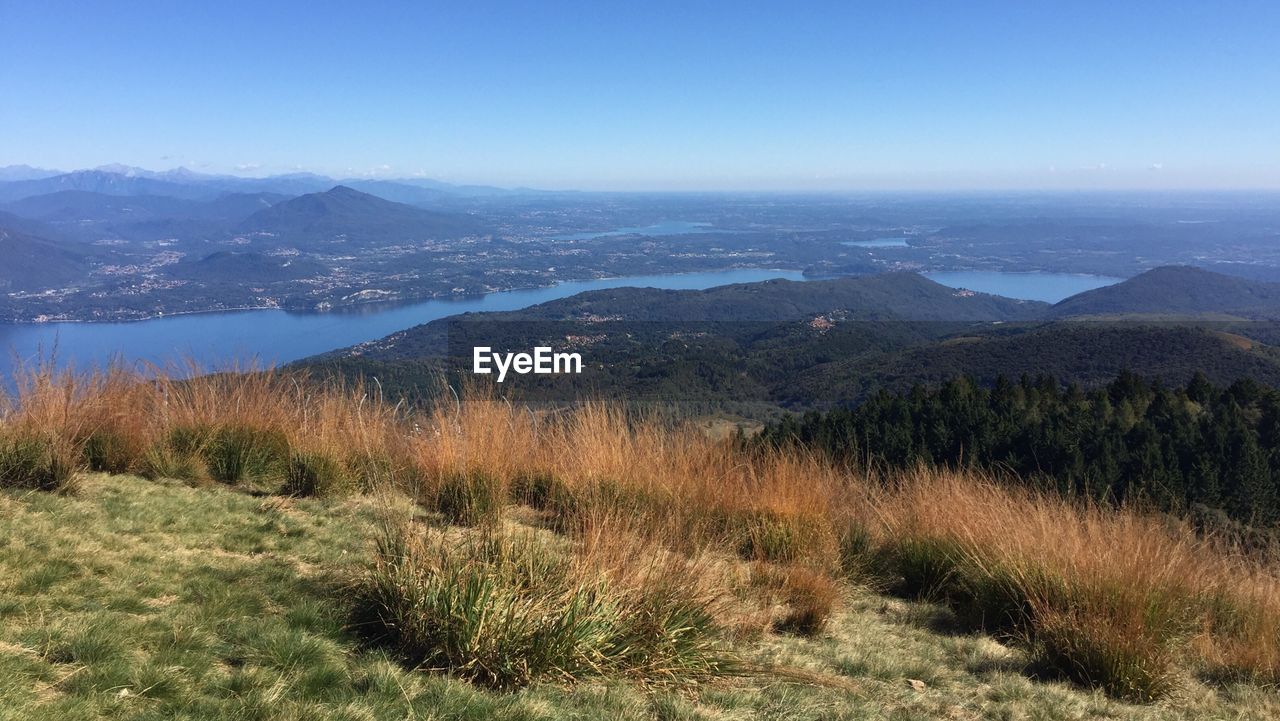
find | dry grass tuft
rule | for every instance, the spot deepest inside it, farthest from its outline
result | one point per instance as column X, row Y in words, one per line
column 811, row 598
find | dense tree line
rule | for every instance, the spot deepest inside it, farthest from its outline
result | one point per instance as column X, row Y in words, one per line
column 1208, row 450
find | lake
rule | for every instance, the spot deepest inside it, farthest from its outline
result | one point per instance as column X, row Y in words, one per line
column 277, row 336
column 1048, row 287
column 669, row 227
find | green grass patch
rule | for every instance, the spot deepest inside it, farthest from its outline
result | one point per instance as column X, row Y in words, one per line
column 145, row 600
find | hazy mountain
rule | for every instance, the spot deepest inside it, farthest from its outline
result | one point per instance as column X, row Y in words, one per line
column 28, row 226
column 234, row 267
column 87, row 216
column 81, row 205
column 346, row 215
column 35, row 263
column 463, row 190
column 22, row 181
column 25, row 172
column 237, row 206
column 108, row 183
column 1177, row 291
column 399, row 192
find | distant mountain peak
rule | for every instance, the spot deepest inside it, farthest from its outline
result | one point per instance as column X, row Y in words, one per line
column 345, row 214
column 347, row 190
column 121, row 169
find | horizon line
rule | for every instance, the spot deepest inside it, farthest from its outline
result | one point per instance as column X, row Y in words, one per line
column 338, row 179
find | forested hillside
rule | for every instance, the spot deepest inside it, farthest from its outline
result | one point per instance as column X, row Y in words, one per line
column 1176, row 291
column 1210, row 450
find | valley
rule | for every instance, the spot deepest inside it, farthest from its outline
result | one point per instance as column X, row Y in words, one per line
column 113, row 244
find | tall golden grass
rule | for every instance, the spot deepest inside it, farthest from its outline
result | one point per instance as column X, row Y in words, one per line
column 1118, row 599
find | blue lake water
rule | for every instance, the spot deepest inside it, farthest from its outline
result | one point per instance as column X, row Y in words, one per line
column 277, row 336
column 669, row 227
column 1048, row 287
column 877, row 243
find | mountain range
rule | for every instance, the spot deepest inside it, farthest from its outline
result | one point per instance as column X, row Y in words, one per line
column 17, row 182
column 77, row 206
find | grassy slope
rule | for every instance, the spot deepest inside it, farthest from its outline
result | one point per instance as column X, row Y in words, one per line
column 135, row 599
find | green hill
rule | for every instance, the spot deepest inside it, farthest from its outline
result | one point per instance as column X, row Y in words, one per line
column 885, row 296
column 1177, row 291
column 891, row 297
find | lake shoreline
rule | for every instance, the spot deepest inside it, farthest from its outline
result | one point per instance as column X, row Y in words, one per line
column 278, row 336
column 345, row 307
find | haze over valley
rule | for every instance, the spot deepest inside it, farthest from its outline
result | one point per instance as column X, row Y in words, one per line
column 123, row 244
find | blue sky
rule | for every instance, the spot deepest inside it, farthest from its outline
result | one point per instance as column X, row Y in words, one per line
column 656, row 95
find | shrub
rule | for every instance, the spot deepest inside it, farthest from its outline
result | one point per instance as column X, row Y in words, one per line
column 371, row 470
column 766, row 535
column 541, row 490
column 505, row 610
column 312, row 473
column 470, row 499
column 811, row 599
column 189, row 440
column 244, row 454
column 1115, row 651
column 110, row 451
column 33, row 461
column 926, row 568
column 859, row 559
column 572, row 509
column 163, row 461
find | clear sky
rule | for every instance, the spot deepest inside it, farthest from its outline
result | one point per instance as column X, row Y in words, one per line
column 655, row 95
